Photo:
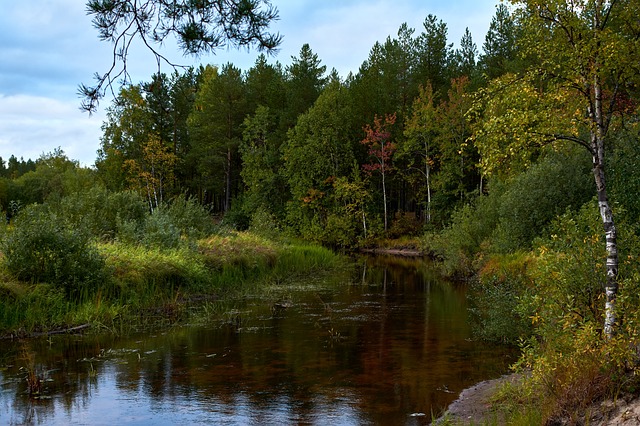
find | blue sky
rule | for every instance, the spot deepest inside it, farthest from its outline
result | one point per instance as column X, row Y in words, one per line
column 49, row 47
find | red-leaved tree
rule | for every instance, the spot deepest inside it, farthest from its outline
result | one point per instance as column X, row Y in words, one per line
column 381, row 149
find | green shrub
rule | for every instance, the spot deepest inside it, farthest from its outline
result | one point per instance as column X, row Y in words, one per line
column 160, row 230
column 192, row 219
column 500, row 284
column 167, row 226
column 572, row 364
column 459, row 244
column 42, row 248
column 125, row 206
column 570, row 273
column 236, row 219
column 403, row 224
column 100, row 211
column 340, row 231
column 264, row 223
column 530, row 201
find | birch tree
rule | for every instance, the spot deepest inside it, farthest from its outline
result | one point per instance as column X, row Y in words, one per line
column 585, row 54
column 421, row 130
column 153, row 174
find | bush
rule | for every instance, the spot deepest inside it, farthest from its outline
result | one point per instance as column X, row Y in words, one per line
column 572, row 363
column 160, row 230
column 534, row 198
column 42, row 248
column 404, row 224
column 100, row 211
column 192, row 219
column 167, row 226
column 340, row 231
column 264, row 223
column 570, row 273
column 501, row 283
column 459, row 244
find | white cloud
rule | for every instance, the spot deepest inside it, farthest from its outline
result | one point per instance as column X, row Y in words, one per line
column 33, row 125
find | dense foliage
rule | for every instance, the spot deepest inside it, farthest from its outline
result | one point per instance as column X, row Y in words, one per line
column 290, row 141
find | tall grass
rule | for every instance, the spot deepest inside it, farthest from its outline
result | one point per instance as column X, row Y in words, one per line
column 158, row 283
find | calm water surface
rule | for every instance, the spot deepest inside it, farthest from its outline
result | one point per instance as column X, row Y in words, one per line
column 391, row 346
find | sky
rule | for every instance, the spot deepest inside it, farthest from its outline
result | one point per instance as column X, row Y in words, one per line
column 49, row 47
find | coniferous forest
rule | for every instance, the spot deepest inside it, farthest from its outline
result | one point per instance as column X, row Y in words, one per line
column 512, row 159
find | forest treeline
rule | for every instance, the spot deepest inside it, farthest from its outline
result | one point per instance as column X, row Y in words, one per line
column 334, row 159
column 381, row 153
column 329, row 158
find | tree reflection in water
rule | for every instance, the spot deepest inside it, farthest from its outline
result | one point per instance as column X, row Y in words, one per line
column 392, row 343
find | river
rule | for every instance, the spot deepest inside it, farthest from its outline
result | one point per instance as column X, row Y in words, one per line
column 391, row 345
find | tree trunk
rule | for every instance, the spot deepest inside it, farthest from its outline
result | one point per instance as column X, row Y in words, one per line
column 364, row 224
column 611, row 285
column 384, row 199
column 227, row 195
column 427, row 173
column 384, row 186
column 598, row 133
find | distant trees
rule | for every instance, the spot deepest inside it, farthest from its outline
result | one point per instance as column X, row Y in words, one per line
column 286, row 139
column 318, row 150
column 499, row 47
column 15, row 168
column 51, row 177
column 215, row 129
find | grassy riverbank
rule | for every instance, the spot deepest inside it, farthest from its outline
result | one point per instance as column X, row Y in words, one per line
column 147, row 284
column 548, row 299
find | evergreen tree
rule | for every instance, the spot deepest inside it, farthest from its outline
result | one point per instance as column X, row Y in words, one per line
column 220, row 109
column 435, row 55
column 499, row 48
column 465, row 58
column 304, row 82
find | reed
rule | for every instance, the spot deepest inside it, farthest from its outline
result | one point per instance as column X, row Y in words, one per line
column 301, row 258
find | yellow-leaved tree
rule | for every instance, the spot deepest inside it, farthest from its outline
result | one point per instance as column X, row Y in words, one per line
column 583, row 63
column 153, row 174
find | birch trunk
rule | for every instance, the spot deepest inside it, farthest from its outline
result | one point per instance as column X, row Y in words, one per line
column 227, row 189
column 364, row 224
column 384, row 199
column 611, row 285
column 598, row 132
column 427, row 173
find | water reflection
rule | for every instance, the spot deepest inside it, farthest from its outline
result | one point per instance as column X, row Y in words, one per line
column 389, row 346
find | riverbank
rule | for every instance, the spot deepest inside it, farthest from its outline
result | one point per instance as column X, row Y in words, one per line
column 475, row 406
column 145, row 285
column 403, row 247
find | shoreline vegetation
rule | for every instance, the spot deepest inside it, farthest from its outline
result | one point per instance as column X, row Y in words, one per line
column 155, row 286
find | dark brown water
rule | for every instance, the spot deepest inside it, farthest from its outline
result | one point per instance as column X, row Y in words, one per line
column 391, row 347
